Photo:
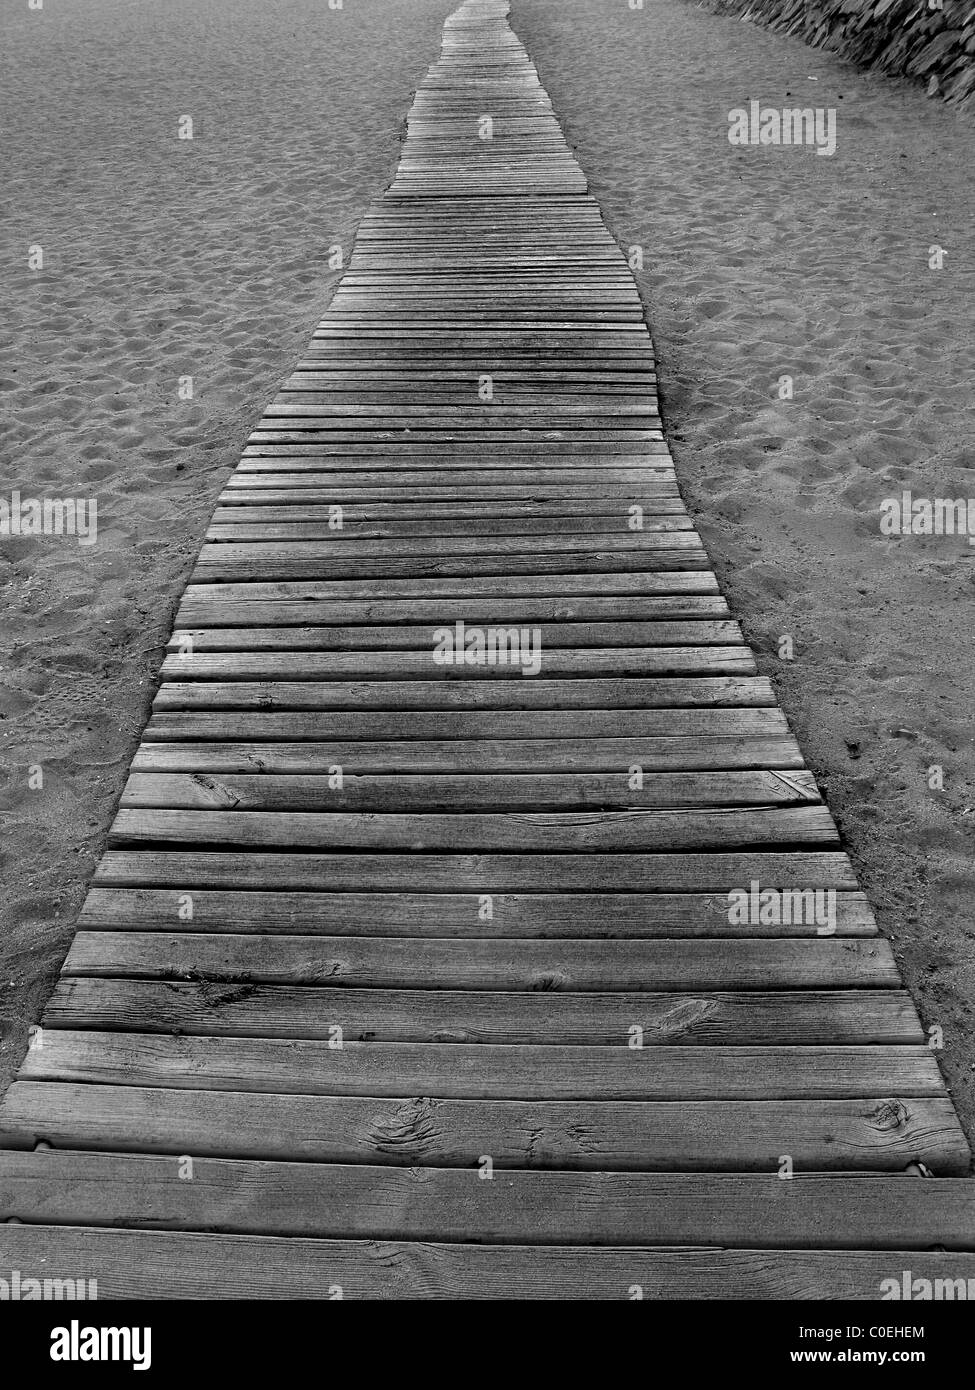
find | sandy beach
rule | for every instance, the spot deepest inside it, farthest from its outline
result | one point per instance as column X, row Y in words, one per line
column 764, row 262
column 758, row 263
column 212, row 263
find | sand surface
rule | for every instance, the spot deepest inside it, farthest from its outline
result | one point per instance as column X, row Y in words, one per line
column 207, row 258
column 163, row 258
column 767, row 261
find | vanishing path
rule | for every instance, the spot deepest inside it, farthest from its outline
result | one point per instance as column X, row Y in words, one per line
column 369, row 920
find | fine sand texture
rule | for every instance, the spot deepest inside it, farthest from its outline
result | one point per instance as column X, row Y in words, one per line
column 763, row 262
column 163, row 258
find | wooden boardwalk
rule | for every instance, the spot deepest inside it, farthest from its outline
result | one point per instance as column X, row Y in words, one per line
column 358, row 993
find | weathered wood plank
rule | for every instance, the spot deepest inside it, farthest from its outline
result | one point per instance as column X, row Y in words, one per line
column 514, row 725
column 305, row 559
column 508, row 641
column 720, row 1019
column 822, row 1211
column 464, row 516
column 455, row 586
column 484, row 873
column 625, row 695
column 168, row 1264
column 233, row 524
column 868, row 1134
column 591, row 916
column 621, row 756
column 636, row 829
column 495, row 537
column 410, row 613
column 464, row 792
column 485, row 963
column 716, row 660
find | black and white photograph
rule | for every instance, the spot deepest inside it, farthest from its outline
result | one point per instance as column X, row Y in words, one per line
column 487, row 736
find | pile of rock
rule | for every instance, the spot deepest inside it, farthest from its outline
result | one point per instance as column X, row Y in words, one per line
column 932, row 41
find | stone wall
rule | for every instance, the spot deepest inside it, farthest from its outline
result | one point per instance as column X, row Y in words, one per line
column 908, row 38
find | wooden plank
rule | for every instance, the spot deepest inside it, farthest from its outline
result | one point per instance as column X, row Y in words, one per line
column 591, row 915
column 570, row 513
column 460, row 792
column 495, row 538
column 719, row 1018
column 243, row 1062
column 716, row 660
column 868, row 1134
column 625, row 695
column 254, row 523
column 392, row 394
column 512, row 725
column 600, row 466
column 485, row 612
column 620, row 439
column 168, row 1264
column 345, row 1201
column 469, row 462
column 633, row 829
column 496, row 427
column 509, row 364
column 485, row 963
column 354, row 548
column 297, row 489
column 545, row 637
column 573, row 726
column 424, row 587
column 500, row 416
column 432, row 873
column 305, row 559
column 525, row 384
column 632, row 461
column 619, row 755
column 293, row 457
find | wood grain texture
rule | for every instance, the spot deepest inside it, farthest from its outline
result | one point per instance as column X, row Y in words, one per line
column 773, row 1018
column 593, row 916
column 343, row 1201
column 484, row 962
column 170, row 1264
column 875, row 1134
